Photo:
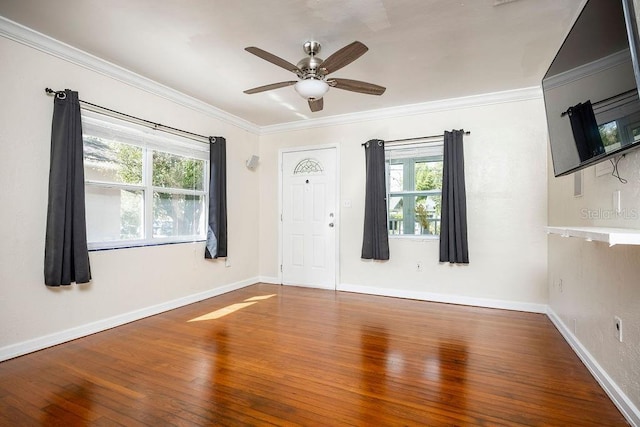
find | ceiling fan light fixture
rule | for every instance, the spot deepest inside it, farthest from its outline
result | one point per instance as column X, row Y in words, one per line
column 311, row 88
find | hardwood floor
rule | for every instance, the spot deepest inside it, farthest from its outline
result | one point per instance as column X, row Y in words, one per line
column 278, row 355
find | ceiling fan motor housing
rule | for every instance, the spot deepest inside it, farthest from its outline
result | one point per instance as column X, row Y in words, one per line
column 310, row 65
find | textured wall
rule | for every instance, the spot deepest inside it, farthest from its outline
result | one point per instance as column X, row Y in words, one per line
column 505, row 163
column 598, row 281
column 124, row 280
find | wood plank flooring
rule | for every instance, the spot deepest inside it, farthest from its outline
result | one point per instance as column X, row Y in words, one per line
column 279, row 355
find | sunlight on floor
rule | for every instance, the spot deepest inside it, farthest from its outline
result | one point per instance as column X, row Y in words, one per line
column 231, row 308
column 260, row 297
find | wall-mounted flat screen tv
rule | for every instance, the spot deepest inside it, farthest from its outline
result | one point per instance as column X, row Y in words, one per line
column 591, row 88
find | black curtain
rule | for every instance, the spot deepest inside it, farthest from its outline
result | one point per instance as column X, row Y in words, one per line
column 585, row 131
column 454, row 247
column 217, row 231
column 66, row 258
column 375, row 242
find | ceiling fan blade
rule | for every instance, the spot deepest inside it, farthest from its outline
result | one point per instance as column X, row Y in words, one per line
column 344, row 56
column 316, row 105
column 273, row 59
column 269, row 87
column 357, row 86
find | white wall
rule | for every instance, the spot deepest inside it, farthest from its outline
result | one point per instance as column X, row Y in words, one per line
column 506, row 170
column 124, row 280
column 598, row 281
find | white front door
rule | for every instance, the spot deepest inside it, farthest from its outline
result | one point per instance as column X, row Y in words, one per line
column 309, row 218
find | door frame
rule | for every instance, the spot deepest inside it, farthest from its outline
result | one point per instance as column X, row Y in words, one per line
column 337, row 221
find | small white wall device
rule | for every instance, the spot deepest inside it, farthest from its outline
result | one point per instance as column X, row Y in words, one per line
column 252, row 162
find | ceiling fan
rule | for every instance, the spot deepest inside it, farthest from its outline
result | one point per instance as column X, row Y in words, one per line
column 312, row 73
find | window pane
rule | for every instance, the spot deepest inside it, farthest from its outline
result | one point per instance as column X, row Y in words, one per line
column 177, row 215
column 111, row 161
column 396, row 216
column 635, row 132
column 173, row 171
column 428, row 176
column 396, row 172
column 428, row 214
column 114, row 214
column 610, row 136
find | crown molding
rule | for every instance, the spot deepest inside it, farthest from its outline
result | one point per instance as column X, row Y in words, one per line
column 588, row 69
column 516, row 95
column 34, row 39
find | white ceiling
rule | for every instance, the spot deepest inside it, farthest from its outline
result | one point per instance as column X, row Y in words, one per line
column 420, row 50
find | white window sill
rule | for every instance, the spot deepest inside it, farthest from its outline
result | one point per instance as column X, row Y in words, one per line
column 419, row 237
column 107, row 246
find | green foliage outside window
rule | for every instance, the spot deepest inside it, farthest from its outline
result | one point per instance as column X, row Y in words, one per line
column 176, row 214
column 172, row 171
column 428, row 176
column 609, row 133
column 129, row 158
column 427, row 211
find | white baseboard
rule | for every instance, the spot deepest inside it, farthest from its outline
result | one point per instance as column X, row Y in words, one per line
column 270, row 280
column 449, row 299
column 624, row 404
column 35, row 344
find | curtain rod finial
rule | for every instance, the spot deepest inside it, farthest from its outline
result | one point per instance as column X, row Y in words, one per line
column 60, row 94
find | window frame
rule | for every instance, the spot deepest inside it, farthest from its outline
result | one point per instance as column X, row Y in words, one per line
column 151, row 142
column 409, row 180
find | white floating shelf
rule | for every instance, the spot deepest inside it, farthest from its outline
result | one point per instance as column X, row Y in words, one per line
column 612, row 236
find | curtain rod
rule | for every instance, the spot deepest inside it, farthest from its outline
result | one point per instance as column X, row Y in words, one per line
column 117, row 114
column 564, row 113
column 419, row 138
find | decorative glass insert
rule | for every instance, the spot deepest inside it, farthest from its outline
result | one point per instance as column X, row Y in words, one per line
column 308, row 166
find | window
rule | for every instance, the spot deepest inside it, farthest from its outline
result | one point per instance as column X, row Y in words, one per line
column 142, row 187
column 619, row 120
column 414, row 188
column 620, row 133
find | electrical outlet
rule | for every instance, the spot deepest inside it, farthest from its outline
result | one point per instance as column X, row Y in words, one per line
column 419, row 266
column 618, row 327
